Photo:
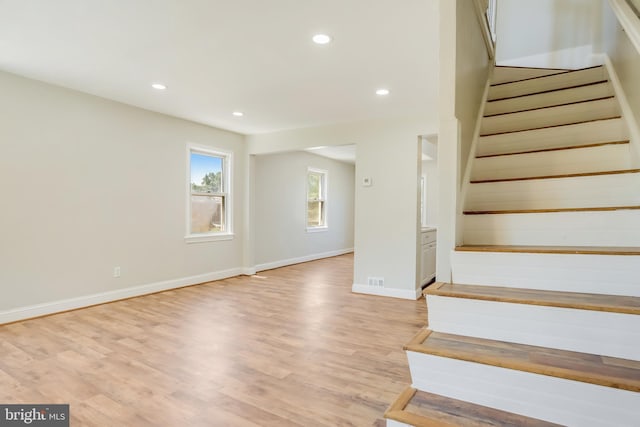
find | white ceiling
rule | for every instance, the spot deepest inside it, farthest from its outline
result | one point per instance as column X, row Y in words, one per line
column 218, row 56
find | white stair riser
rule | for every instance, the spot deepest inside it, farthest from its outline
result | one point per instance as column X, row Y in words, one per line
column 585, row 331
column 604, row 228
column 556, row 193
column 555, row 137
column 552, row 116
column 579, row 160
column 394, row 423
column 598, row 274
column 558, row 81
column 511, row 74
column 583, row 93
column 556, row 400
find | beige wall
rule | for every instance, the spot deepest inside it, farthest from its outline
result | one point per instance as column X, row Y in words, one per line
column 280, row 208
column 626, row 63
column 89, row 184
column 464, row 70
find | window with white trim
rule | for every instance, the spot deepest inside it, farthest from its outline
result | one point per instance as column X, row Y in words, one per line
column 316, row 199
column 209, row 194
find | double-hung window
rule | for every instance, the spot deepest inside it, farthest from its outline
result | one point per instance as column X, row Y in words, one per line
column 209, row 195
column 316, row 199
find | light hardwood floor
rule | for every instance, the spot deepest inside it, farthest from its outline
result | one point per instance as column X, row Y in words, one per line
column 290, row 346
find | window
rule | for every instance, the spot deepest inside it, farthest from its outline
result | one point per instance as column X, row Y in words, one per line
column 316, row 199
column 208, row 204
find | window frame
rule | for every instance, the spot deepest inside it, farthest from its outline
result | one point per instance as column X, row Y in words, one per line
column 323, row 198
column 227, row 194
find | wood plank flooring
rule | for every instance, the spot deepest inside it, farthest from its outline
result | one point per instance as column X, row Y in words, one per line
column 287, row 347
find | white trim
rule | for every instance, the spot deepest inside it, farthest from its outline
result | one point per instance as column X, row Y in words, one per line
column 387, row 292
column 625, row 107
column 323, row 198
column 474, row 144
column 207, row 237
column 298, row 260
column 628, row 20
column 227, row 159
column 52, row 307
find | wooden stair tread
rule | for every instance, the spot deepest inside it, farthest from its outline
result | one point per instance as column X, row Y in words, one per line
column 560, row 71
column 549, row 91
column 567, row 175
column 530, row 211
column 580, row 301
column 582, row 250
column 588, row 368
column 543, row 150
column 423, row 409
column 550, row 127
column 559, row 104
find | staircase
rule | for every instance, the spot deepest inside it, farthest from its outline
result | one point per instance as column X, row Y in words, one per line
column 541, row 325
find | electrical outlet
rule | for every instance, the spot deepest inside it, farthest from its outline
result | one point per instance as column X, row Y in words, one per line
column 116, row 271
column 378, row 282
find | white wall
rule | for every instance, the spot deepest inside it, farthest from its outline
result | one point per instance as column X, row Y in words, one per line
column 280, row 209
column 88, row 184
column 625, row 60
column 548, row 33
column 386, row 213
column 464, row 71
column 430, row 175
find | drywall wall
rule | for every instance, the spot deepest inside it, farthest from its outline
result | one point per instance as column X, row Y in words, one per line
column 387, row 212
column 430, row 176
column 472, row 72
column 280, row 195
column 625, row 60
column 464, row 71
column 89, row 184
column 548, row 33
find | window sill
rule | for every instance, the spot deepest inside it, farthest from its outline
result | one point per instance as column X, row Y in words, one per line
column 317, row 229
column 202, row 238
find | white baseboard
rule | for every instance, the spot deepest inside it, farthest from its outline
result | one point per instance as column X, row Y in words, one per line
column 298, row 260
column 27, row 312
column 387, row 292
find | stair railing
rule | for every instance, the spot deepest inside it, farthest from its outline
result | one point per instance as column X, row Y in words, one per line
column 486, row 11
column 628, row 14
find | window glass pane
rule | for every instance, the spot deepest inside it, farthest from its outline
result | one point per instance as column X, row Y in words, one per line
column 313, row 191
column 206, row 173
column 207, row 213
column 314, row 214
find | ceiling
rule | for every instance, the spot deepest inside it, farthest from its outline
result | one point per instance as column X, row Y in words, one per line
column 216, row 57
column 343, row 153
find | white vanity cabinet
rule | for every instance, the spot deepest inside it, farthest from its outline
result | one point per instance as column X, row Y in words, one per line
column 428, row 259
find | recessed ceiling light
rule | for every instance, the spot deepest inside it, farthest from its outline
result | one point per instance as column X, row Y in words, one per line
column 321, row 39
column 238, row 113
column 382, row 92
column 159, row 86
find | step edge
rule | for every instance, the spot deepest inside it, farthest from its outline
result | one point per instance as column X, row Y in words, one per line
column 616, row 251
column 544, row 150
column 558, row 210
column 560, row 71
column 619, row 118
column 531, row 301
column 564, row 104
column 555, row 372
column 568, row 175
column 552, row 126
